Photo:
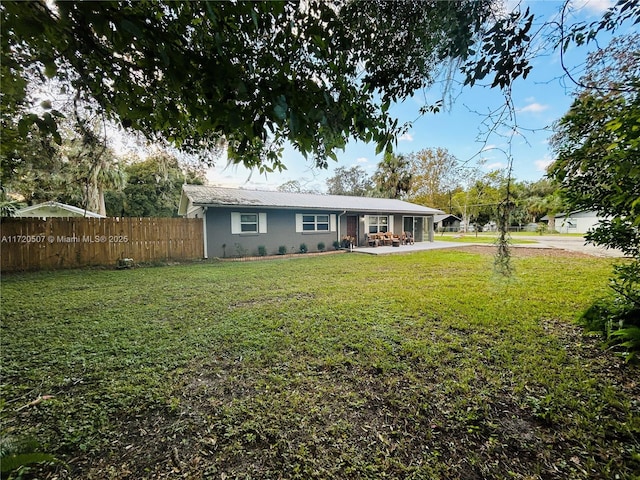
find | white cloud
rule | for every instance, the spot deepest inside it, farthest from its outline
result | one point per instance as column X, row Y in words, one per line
column 543, row 163
column 362, row 160
column 407, row 137
column 592, row 6
column 494, row 166
column 534, row 107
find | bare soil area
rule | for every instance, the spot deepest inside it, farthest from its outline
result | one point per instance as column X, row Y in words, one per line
column 517, row 251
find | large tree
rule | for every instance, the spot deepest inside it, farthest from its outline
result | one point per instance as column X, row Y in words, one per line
column 252, row 75
column 436, row 176
column 393, row 177
column 350, row 181
column 597, row 144
column 153, row 187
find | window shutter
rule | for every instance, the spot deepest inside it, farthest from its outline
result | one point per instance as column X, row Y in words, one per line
column 390, row 227
column 366, row 223
column 298, row 222
column 332, row 222
column 262, row 223
column 235, row 223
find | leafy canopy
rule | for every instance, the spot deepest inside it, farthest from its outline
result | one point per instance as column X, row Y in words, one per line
column 252, row 75
column 597, row 143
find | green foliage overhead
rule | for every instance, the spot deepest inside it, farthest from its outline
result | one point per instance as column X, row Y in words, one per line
column 253, row 75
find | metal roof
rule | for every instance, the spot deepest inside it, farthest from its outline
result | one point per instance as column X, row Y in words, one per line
column 203, row 195
column 55, row 209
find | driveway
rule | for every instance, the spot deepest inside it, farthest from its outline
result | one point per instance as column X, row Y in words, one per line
column 572, row 244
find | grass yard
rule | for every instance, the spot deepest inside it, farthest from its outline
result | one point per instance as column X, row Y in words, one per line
column 489, row 238
column 421, row 366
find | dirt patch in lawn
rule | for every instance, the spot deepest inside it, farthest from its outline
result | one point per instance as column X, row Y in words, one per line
column 522, row 252
column 231, row 420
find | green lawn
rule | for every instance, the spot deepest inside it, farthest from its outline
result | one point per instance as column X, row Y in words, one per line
column 345, row 366
column 480, row 237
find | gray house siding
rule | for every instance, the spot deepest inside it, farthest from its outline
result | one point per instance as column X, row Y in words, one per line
column 239, row 222
column 280, row 230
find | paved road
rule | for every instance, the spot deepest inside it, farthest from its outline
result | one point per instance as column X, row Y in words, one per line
column 574, row 244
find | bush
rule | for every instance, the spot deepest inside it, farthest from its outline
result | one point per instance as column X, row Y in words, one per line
column 241, row 251
column 617, row 317
column 542, row 228
column 282, row 250
column 17, row 453
column 336, row 244
column 321, row 246
column 303, row 248
column 262, row 251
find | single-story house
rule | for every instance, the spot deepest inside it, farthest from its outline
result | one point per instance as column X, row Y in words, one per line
column 55, row 209
column 574, row 222
column 238, row 222
column 446, row 222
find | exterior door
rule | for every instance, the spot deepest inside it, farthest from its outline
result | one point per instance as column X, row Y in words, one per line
column 416, row 226
column 407, row 225
column 352, row 227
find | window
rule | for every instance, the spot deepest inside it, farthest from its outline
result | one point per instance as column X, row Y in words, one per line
column 315, row 223
column 248, row 222
column 378, row 224
column 311, row 223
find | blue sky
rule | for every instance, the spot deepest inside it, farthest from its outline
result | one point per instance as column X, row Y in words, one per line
column 543, row 97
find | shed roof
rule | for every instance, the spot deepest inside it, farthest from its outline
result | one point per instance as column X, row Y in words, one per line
column 203, row 195
column 55, row 209
column 574, row 213
column 446, row 216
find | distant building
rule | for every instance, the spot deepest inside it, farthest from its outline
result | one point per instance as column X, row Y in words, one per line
column 446, row 223
column 574, row 222
column 55, row 209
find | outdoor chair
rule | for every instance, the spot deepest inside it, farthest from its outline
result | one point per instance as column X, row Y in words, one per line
column 407, row 238
column 372, row 240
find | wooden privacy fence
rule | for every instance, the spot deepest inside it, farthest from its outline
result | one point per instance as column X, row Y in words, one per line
column 33, row 243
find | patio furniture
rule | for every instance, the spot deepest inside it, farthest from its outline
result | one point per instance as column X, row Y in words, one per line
column 407, row 238
column 373, row 240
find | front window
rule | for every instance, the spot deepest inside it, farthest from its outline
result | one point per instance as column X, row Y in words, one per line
column 378, row 224
column 315, row 223
column 248, row 222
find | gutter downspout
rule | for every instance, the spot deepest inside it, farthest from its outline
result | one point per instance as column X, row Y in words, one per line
column 204, row 232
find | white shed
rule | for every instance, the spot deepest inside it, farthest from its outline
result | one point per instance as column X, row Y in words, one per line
column 55, row 209
column 576, row 222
